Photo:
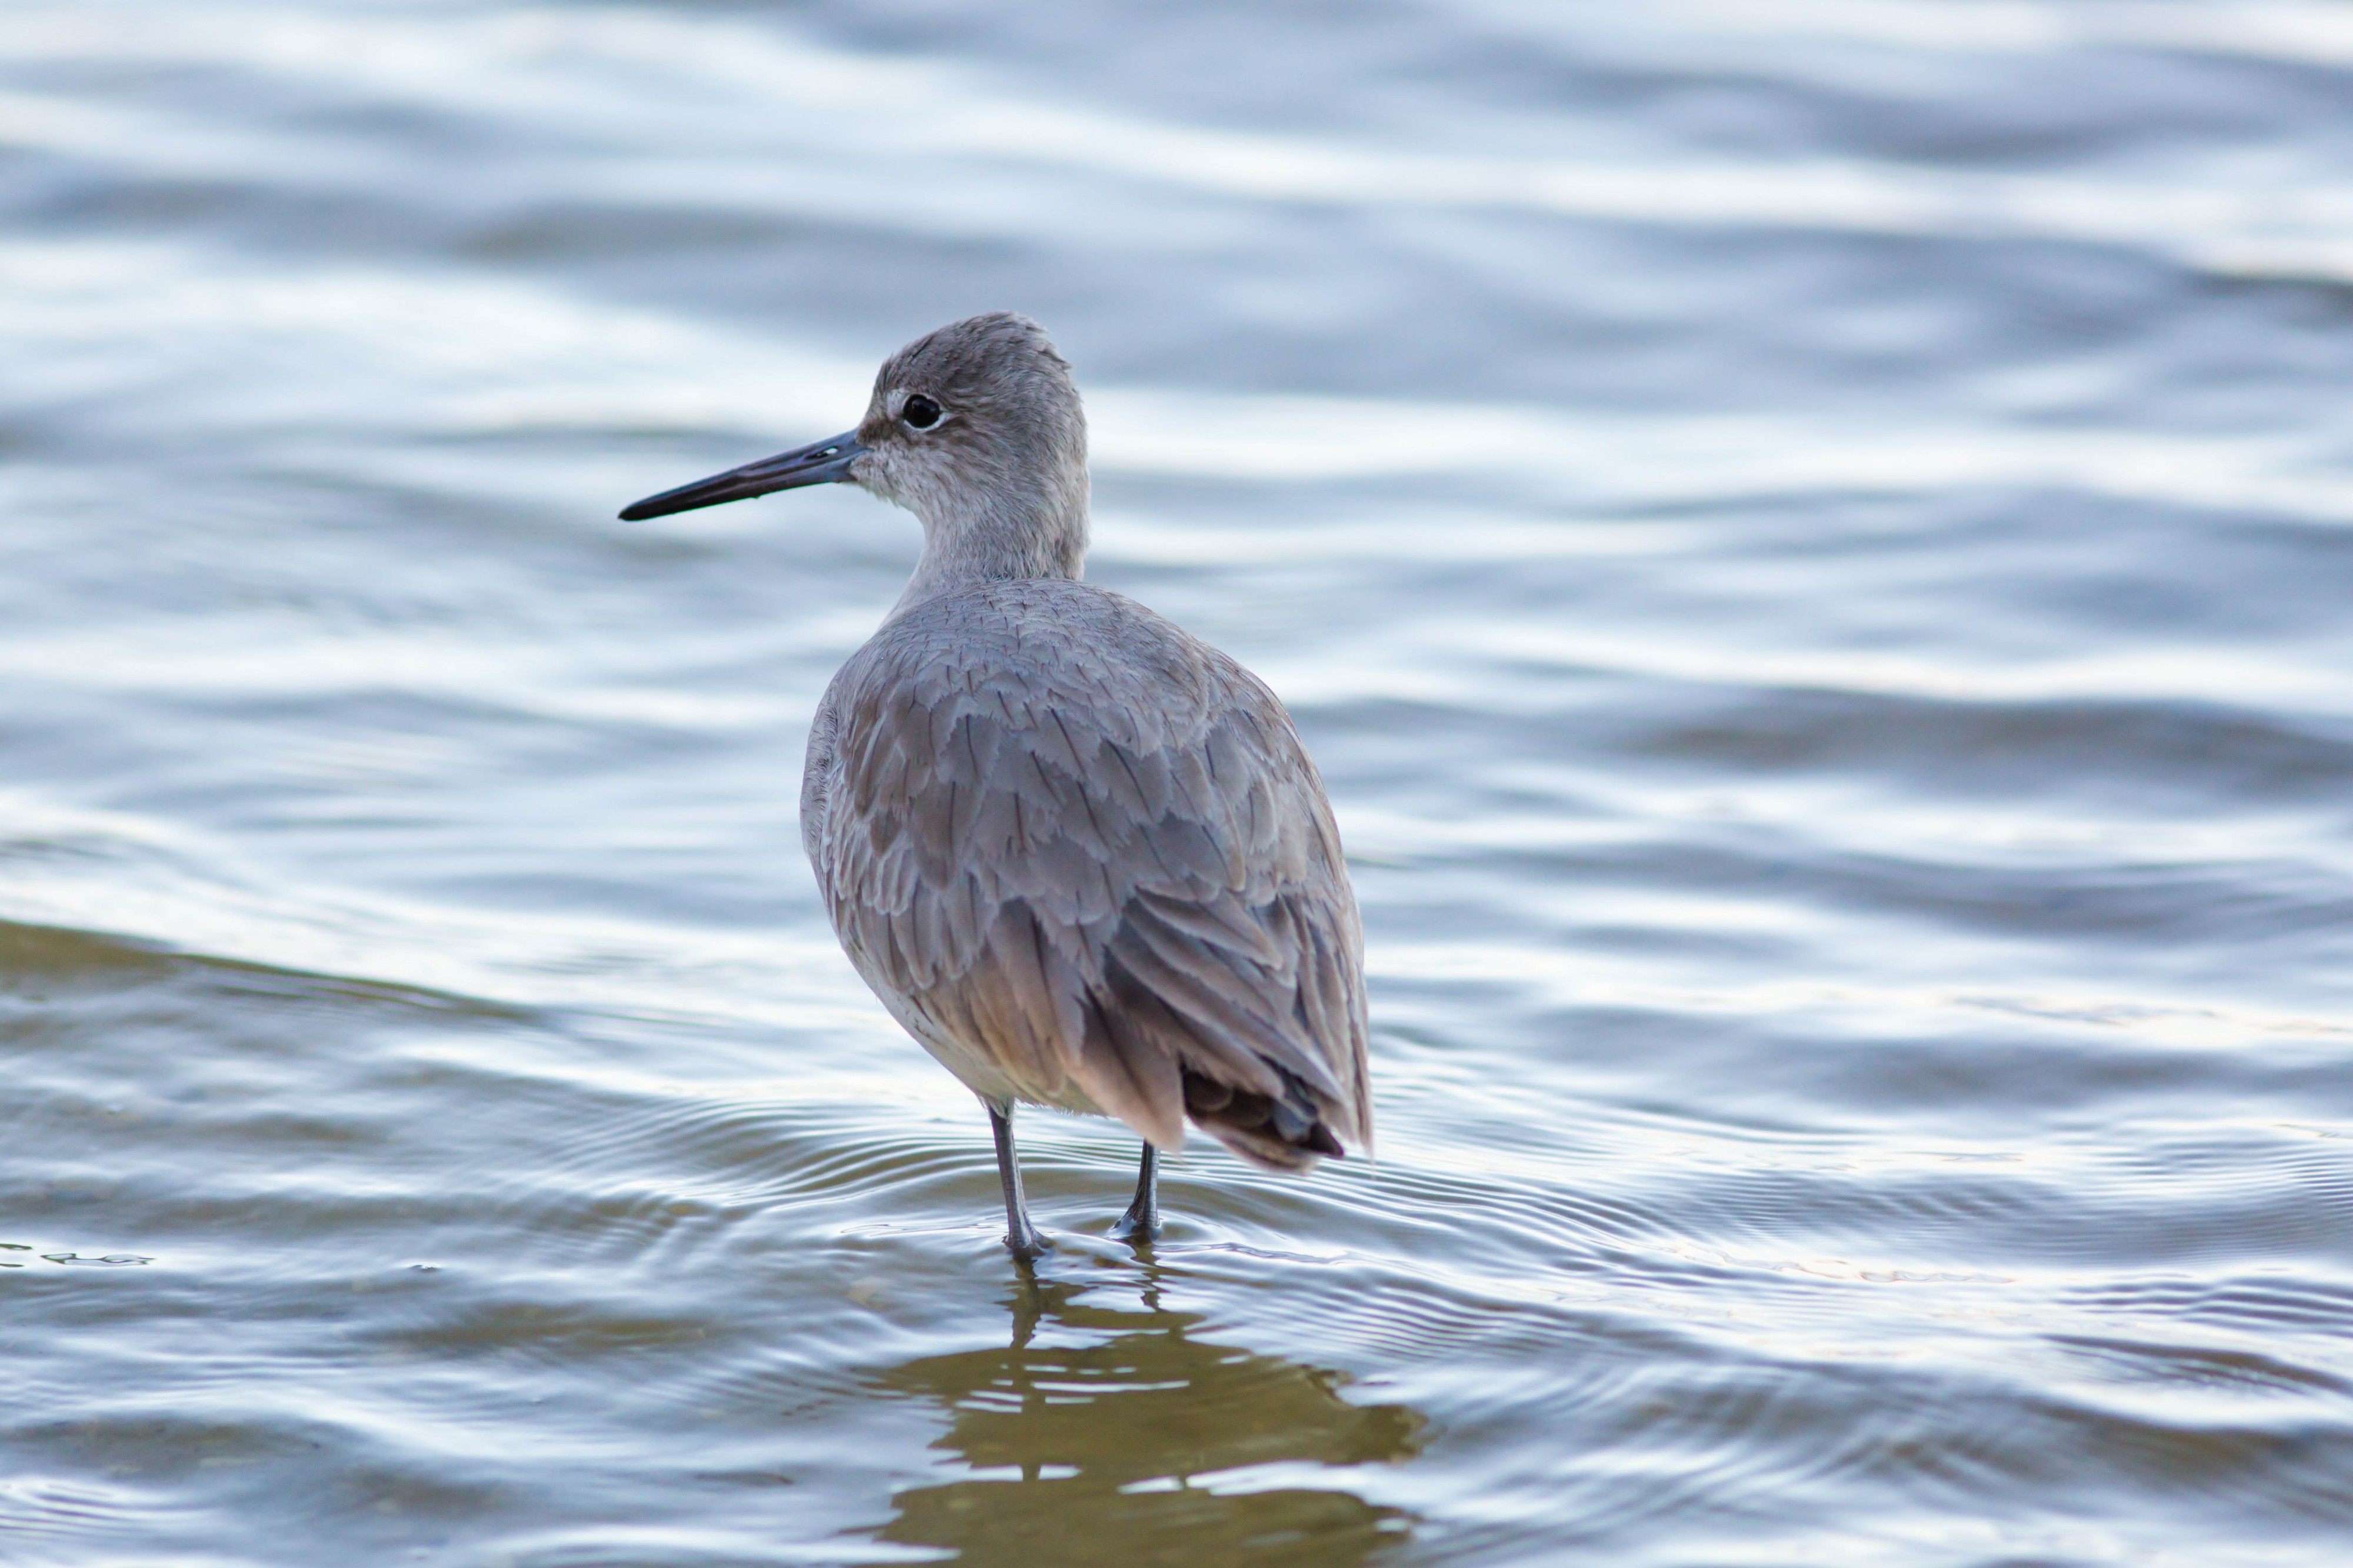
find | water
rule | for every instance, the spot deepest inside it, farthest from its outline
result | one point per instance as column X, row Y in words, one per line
column 1812, row 544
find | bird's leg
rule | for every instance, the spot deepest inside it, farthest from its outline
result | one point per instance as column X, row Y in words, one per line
column 1021, row 1238
column 1142, row 1220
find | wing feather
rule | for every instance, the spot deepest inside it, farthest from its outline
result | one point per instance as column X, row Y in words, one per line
column 1085, row 859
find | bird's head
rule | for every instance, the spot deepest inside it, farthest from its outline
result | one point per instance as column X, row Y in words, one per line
column 976, row 428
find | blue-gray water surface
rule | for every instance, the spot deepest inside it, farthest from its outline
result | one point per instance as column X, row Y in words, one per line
column 1812, row 544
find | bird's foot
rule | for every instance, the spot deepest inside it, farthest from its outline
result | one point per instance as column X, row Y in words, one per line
column 1028, row 1248
column 1139, row 1230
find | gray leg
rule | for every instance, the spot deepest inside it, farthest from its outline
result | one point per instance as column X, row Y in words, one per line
column 1021, row 1238
column 1142, row 1220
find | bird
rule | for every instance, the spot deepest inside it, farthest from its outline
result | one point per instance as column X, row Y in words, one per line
column 1080, row 855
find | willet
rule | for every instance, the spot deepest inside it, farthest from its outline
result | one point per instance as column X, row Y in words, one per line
column 1079, row 854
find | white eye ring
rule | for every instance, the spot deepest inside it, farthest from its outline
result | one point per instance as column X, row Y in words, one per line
column 919, row 413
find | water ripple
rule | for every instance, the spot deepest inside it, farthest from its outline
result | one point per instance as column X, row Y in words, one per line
column 1809, row 545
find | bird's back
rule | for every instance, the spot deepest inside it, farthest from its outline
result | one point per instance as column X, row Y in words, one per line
column 1084, row 858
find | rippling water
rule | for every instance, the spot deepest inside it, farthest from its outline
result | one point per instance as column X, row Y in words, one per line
column 1811, row 542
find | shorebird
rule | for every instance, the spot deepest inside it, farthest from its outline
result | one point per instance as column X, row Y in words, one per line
column 1079, row 854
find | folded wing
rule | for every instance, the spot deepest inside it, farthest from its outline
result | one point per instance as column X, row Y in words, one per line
column 1108, row 878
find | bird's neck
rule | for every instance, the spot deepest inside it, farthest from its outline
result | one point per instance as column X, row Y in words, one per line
column 1007, row 533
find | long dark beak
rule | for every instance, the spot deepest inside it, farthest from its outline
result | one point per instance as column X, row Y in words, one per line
column 818, row 463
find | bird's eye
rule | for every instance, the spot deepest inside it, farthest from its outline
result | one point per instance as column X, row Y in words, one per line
column 921, row 412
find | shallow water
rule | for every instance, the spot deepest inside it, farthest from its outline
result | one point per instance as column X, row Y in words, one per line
column 1811, row 550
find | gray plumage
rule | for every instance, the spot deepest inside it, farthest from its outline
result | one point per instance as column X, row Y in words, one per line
column 1078, row 852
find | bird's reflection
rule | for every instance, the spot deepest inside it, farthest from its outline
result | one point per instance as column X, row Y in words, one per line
column 1100, row 1425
